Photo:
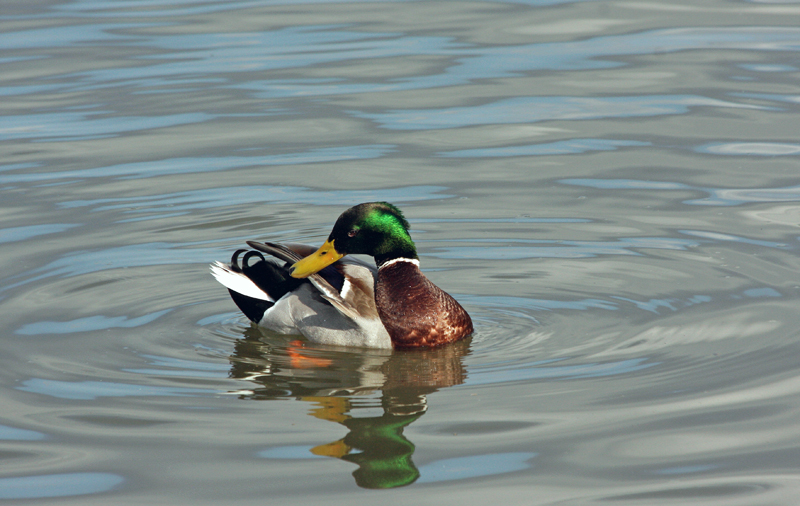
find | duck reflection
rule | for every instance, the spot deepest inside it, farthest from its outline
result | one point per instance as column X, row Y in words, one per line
column 340, row 382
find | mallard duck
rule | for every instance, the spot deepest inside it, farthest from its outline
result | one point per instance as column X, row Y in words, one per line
column 343, row 301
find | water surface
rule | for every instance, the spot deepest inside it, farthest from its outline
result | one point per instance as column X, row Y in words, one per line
column 610, row 189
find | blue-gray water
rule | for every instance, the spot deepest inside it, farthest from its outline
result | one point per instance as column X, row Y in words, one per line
column 610, row 188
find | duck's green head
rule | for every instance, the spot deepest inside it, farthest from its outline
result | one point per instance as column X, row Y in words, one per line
column 377, row 229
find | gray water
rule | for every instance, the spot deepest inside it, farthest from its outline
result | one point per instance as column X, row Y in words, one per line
column 611, row 189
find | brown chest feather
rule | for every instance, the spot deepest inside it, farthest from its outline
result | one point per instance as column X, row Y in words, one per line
column 415, row 312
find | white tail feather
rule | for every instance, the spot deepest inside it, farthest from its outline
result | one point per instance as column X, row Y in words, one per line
column 238, row 282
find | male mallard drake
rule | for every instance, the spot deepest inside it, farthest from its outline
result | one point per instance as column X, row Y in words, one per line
column 335, row 300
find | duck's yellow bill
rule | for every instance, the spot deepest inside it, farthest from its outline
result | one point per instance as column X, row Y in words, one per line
column 315, row 262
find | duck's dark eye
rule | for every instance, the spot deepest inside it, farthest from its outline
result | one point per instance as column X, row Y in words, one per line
column 352, row 233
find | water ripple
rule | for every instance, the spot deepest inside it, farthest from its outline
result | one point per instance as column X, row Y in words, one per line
column 750, row 149
column 478, row 63
column 220, row 54
column 57, row 485
column 87, row 324
column 91, row 390
column 716, row 196
column 63, row 126
column 538, row 370
column 214, row 198
column 14, row 234
column 154, row 168
column 559, row 249
column 553, row 108
column 568, row 147
column 474, row 466
column 15, row 434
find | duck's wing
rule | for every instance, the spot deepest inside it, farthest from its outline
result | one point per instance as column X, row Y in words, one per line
column 335, row 306
column 340, row 285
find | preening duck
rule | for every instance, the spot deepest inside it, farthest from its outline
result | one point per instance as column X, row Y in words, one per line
column 330, row 299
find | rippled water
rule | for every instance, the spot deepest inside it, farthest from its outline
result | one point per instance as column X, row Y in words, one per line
column 610, row 188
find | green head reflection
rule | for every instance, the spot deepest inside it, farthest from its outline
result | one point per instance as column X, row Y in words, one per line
column 385, row 457
column 375, row 444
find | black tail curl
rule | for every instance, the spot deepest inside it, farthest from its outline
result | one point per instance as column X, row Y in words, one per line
column 272, row 278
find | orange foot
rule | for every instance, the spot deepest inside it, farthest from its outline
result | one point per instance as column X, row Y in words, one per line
column 300, row 361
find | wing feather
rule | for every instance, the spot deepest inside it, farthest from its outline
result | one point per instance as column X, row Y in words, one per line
column 325, row 289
